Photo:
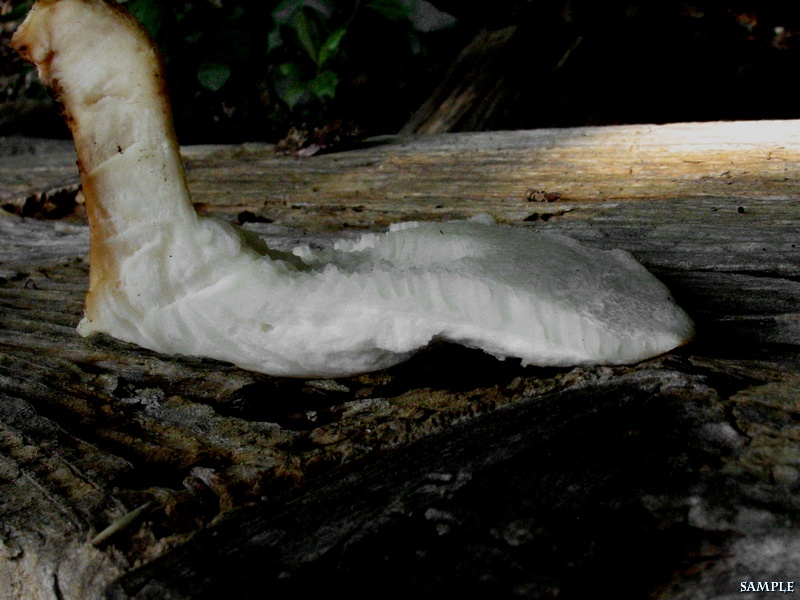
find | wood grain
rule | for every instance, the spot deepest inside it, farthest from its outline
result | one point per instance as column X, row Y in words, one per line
column 215, row 479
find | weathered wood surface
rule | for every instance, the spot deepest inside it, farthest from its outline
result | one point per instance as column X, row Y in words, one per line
column 460, row 174
column 454, row 471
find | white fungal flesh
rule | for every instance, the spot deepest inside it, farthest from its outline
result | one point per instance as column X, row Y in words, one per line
column 167, row 280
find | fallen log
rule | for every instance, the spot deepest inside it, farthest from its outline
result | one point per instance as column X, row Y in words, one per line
column 154, row 474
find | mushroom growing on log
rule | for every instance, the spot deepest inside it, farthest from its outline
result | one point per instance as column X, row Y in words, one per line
column 165, row 279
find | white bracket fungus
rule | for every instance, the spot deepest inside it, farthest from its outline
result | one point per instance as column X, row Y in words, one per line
column 163, row 278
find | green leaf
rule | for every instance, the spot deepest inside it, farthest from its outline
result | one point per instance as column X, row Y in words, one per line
column 285, row 11
column 321, row 6
column 293, row 93
column 330, row 47
column 324, row 85
column 292, row 87
column 290, row 70
column 394, row 10
column 149, row 13
column 274, row 39
column 213, row 75
column 303, row 30
column 303, row 17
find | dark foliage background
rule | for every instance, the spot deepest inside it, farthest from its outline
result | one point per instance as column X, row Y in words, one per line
column 254, row 69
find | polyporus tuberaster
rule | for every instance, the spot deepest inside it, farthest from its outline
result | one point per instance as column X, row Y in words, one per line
column 163, row 278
